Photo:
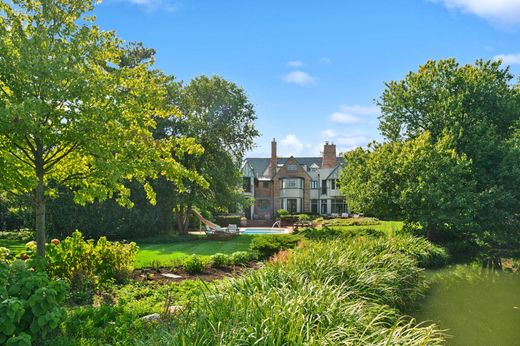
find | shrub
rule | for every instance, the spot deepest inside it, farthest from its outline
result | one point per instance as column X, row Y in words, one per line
column 242, row 257
column 220, row 260
column 31, row 304
column 23, row 235
column 5, row 255
column 333, row 233
column 281, row 212
column 304, row 217
column 269, row 244
column 225, row 220
column 288, row 219
column 193, row 264
column 87, row 264
column 362, row 221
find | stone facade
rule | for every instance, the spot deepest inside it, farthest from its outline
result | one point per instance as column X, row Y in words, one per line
column 297, row 184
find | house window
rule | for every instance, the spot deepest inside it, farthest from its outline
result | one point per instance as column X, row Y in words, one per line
column 265, row 184
column 314, row 206
column 247, row 184
column 292, row 168
column 314, row 184
column 324, row 187
column 291, row 183
column 324, row 206
column 333, row 184
column 263, row 204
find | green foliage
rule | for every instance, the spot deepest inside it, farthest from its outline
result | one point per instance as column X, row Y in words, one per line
column 5, row 255
column 193, row 264
column 341, row 233
column 86, row 264
column 281, row 212
column 220, row 260
column 410, row 179
column 31, row 304
column 363, row 221
column 72, row 115
column 332, row 292
column 242, row 257
column 269, row 244
column 225, row 221
column 220, row 117
column 304, row 217
column 21, row 235
column 478, row 108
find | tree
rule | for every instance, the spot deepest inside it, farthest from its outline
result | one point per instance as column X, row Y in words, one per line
column 72, row 115
column 478, row 106
column 218, row 114
column 418, row 180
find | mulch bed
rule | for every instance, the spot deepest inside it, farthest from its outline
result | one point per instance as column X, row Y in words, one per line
column 209, row 274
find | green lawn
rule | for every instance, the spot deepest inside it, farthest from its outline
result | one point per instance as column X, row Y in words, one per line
column 15, row 246
column 166, row 253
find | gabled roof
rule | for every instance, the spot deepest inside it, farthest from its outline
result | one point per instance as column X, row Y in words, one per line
column 260, row 164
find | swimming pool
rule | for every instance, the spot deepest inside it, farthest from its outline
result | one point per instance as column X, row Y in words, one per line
column 264, row 231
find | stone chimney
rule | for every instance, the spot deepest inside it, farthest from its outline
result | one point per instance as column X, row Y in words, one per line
column 329, row 156
column 274, row 158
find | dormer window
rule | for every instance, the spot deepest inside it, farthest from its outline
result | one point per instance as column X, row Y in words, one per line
column 292, row 168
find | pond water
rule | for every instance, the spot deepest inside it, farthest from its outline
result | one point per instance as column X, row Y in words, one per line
column 475, row 306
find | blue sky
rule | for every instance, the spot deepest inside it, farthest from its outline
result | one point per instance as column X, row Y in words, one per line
column 314, row 68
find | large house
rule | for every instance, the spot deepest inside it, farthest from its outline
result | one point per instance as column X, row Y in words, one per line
column 296, row 184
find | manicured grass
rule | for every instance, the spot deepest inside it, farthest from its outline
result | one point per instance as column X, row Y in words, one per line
column 389, row 227
column 15, row 246
column 164, row 253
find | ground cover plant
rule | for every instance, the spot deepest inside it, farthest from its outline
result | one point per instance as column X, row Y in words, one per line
column 328, row 292
column 31, row 303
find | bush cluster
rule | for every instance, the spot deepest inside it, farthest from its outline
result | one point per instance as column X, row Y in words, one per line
column 31, row 304
column 362, row 221
column 86, row 264
column 23, row 235
column 269, row 244
column 193, row 264
column 335, row 233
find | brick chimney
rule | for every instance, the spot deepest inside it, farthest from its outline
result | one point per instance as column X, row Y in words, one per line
column 329, row 156
column 274, row 158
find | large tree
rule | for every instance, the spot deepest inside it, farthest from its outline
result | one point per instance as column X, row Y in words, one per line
column 419, row 181
column 478, row 106
column 220, row 117
column 72, row 114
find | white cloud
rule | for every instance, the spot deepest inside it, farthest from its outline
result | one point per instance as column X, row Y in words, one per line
column 354, row 114
column 291, row 145
column 153, row 5
column 325, row 60
column 500, row 12
column 328, row 133
column 295, row 63
column 299, row 78
column 508, row 59
column 344, row 118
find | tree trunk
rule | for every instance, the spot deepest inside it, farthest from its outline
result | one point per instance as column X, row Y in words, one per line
column 183, row 217
column 39, row 211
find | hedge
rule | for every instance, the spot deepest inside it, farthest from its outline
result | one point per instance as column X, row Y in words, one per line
column 226, row 220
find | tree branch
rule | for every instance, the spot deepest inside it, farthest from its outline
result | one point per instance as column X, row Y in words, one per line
column 57, row 159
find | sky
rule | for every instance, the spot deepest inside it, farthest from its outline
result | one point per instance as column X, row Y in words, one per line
column 314, row 69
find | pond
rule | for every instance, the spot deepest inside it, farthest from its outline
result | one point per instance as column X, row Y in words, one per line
column 475, row 306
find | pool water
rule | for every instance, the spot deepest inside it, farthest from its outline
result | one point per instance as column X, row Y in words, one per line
column 477, row 307
column 264, row 231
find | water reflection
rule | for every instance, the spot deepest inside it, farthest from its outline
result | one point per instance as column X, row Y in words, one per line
column 477, row 306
